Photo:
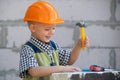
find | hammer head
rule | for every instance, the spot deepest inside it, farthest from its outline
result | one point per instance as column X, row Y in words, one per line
column 81, row 24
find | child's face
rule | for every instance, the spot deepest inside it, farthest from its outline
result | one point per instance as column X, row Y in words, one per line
column 43, row 32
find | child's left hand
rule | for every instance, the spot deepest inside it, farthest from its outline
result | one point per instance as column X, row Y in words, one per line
column 84, row 44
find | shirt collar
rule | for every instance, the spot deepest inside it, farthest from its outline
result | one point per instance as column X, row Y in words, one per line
column 44, row 46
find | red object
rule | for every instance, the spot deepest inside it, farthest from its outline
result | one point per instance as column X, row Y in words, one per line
column 96, row 68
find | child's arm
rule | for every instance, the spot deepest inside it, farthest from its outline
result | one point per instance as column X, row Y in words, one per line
column 76, row 51
column 47, row 70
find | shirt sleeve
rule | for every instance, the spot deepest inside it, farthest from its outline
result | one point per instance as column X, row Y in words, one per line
column 64, row 55
column 27, row 60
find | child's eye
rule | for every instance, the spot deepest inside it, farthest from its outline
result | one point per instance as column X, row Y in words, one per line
column 53, row 28
column 47, row 29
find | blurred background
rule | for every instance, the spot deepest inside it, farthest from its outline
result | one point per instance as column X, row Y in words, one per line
column 102, row 18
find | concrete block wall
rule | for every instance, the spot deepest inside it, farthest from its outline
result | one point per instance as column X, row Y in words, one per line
column 102, row 18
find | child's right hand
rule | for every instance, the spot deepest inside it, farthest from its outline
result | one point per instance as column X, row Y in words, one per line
column 70, row 69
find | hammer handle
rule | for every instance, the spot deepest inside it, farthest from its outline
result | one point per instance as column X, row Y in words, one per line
column 83, row 36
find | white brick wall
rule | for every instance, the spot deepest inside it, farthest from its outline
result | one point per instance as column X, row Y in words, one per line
column 118, row 10
column 18, row 35
column 13, row 9
column 83, row 9
column 103, row 31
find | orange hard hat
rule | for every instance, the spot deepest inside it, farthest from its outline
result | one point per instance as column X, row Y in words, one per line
column 42, row 12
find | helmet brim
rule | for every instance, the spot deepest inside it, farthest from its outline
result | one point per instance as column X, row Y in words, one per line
column 58, row 21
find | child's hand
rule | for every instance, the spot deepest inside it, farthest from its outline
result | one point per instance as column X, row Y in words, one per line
column 70, row 69
column 84, row 44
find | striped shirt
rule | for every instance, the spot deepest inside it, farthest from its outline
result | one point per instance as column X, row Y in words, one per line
column 27, row 58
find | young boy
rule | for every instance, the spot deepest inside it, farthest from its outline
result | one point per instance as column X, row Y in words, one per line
column 40, row 56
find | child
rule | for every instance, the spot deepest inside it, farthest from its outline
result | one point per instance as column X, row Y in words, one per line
column 40, row 56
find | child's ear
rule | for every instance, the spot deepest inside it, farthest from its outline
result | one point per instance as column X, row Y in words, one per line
column 32, row 28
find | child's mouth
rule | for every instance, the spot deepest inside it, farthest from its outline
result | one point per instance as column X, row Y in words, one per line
column 48, row 37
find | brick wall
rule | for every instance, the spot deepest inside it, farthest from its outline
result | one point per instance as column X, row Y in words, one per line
column 102, row 18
